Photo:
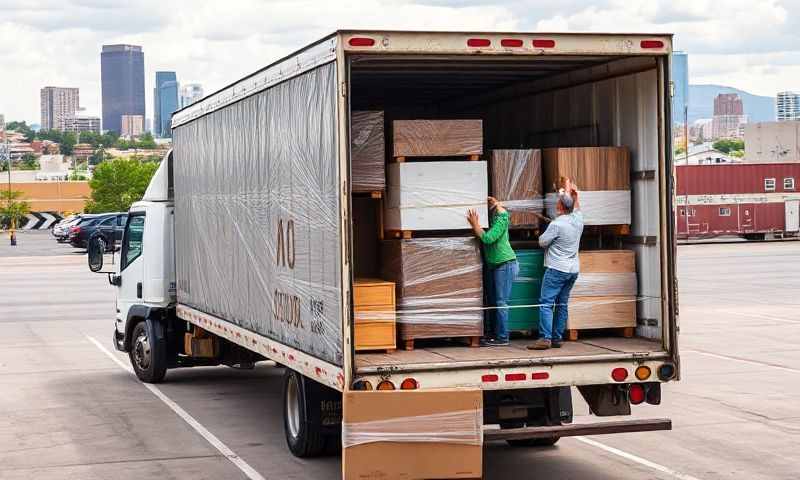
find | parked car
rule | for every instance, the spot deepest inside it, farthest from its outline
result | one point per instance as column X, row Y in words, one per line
column 108, row 225
column 61, row 229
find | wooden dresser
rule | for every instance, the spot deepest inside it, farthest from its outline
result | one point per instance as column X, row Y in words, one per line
column 374, row 307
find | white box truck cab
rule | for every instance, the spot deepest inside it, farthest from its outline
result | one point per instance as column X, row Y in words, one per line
column 241, row 249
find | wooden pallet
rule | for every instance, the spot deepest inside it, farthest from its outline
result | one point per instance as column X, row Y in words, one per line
column 626, row 332
column 472, row 342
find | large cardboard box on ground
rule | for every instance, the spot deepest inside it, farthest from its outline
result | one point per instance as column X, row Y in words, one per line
column 435, row 195
column 367, row 151
column 412, row 434
column 517, row 182
column 439, row 286
column 602, row 175
column 437, row 138
column 604, row 296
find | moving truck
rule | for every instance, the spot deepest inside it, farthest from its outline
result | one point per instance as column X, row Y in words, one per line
column 242, row 248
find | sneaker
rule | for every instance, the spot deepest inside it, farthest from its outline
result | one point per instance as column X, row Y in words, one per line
column 493, row 342
column 541, row 344
column 555, row 343
column 486, row 341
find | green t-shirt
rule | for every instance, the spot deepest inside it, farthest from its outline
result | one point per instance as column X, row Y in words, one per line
column 495, row 241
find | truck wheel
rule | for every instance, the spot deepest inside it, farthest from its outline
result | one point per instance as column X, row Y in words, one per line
column 534, row 442
column 148, row 362
column 304, row 438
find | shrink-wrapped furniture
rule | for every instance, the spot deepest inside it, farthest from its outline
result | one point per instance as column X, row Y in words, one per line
column 604, row 296
column 517, row 182
column 602, row 175
column 439, row 286
column 435, row 195
column 437, row 138
column 367, row 151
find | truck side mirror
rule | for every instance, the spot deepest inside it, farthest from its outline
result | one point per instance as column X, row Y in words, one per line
column 94, row 253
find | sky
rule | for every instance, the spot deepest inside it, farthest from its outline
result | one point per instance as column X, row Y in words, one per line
column 753, row 45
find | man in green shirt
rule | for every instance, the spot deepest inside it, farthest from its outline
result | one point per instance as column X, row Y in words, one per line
column 502, row 263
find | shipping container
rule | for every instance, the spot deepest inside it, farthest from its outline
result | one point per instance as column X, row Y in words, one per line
column 748, row 200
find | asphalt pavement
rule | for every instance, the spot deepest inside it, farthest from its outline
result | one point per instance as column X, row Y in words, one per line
column 71, row 411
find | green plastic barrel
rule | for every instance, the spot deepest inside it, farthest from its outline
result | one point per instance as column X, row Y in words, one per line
column 526, row 290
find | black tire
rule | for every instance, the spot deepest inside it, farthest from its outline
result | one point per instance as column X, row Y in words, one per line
column 303, row 437
column 534, row 442
column 147, row 355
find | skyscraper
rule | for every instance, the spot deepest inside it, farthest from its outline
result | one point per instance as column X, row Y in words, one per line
column 165, row 99
column 190, row 93
column 58, row 104
column 680, row 80
column 122, row 73
column 729, row 116
column 788, row 106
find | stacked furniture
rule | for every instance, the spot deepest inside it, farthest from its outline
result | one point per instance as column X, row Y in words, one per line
column 604, row 296
column 437, row 138
column 602, row 175
column 374, row 314
column 367, row 152
column 517, row 182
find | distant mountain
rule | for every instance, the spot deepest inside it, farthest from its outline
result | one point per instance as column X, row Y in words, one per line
column 701, row 103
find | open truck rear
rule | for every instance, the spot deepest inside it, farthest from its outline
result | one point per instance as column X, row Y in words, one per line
column 264, row 248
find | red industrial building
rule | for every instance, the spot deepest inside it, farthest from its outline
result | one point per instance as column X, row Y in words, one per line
column 745, row 199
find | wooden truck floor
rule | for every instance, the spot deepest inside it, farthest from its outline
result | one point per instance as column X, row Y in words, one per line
column 454, row 353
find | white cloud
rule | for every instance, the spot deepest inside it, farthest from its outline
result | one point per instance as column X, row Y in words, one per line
column 752, row 45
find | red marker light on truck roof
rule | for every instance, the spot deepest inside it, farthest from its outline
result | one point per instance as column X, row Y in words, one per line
column 543, row 43
column 511, row 42
column 490, row 378
column 479, row 42
column 652, row 44
column 361, row 42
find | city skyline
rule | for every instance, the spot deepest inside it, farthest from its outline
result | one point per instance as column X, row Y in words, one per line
column 751, row 47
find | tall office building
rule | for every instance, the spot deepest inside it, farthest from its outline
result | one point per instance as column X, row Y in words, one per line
column 58, row 104
column 680, row 82
column 190, row 93
column 122, row 74
column 165, row 100
column 729, row 116
column 788, row 106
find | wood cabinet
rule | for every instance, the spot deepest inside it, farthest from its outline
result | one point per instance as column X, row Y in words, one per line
column 374, row 309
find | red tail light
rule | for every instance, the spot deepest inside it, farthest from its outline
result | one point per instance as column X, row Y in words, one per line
column 489, row 378
column 652, row 44
column 75, row 230
column 619, row 374
column 540, row 376
column 361, row 42
column 479, row 42
column 511, row 42
column 514, row 377
column 543, row 43
column 409, row 384
column 636, row 394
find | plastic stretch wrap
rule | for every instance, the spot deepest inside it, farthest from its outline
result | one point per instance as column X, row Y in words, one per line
column 256, row 214
column 464, row 427
column 517, row 182
column 604, row 284
column 367, row 151
column 611, row 207
column 435, row 195
column 437, row 138
column 439, row 285
column 592, row 168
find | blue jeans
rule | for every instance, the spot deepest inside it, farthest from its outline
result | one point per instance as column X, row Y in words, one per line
column 502, row 280
column 556, row 286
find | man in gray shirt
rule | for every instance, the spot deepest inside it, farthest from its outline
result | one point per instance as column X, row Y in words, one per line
column 561, row 241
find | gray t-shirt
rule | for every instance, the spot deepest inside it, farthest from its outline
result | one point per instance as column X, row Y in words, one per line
column 561, row 241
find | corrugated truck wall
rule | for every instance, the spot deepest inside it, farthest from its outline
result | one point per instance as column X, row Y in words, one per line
column 257, row 212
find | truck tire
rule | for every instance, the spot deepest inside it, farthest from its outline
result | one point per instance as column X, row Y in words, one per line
column 304, row 438
column 534, row 442
column 146, row 355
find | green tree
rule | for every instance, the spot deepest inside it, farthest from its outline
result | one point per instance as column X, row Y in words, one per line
column 728, row 145
column 67, row 144
column 23, row 128
column 29, row 162
column 146, row 141
column 117, row 183
column 13, row 209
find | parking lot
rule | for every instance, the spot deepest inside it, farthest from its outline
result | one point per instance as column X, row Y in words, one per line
column 72, row 410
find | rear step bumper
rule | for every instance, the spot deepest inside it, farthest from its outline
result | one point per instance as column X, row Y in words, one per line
column 574, row 430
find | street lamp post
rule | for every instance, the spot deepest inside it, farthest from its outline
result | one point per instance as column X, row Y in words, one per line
column 7, row 153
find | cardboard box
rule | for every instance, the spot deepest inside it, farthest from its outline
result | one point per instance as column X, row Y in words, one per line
column 437, row 138
column 403, row 412
column 435, row 195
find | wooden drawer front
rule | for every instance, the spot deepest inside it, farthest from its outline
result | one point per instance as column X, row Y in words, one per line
column 375, row 335
column 375, row 313
column 374, row 294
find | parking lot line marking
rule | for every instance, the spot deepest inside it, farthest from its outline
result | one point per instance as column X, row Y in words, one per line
column 743, row 360
column 637, row 459
column 245, row 467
